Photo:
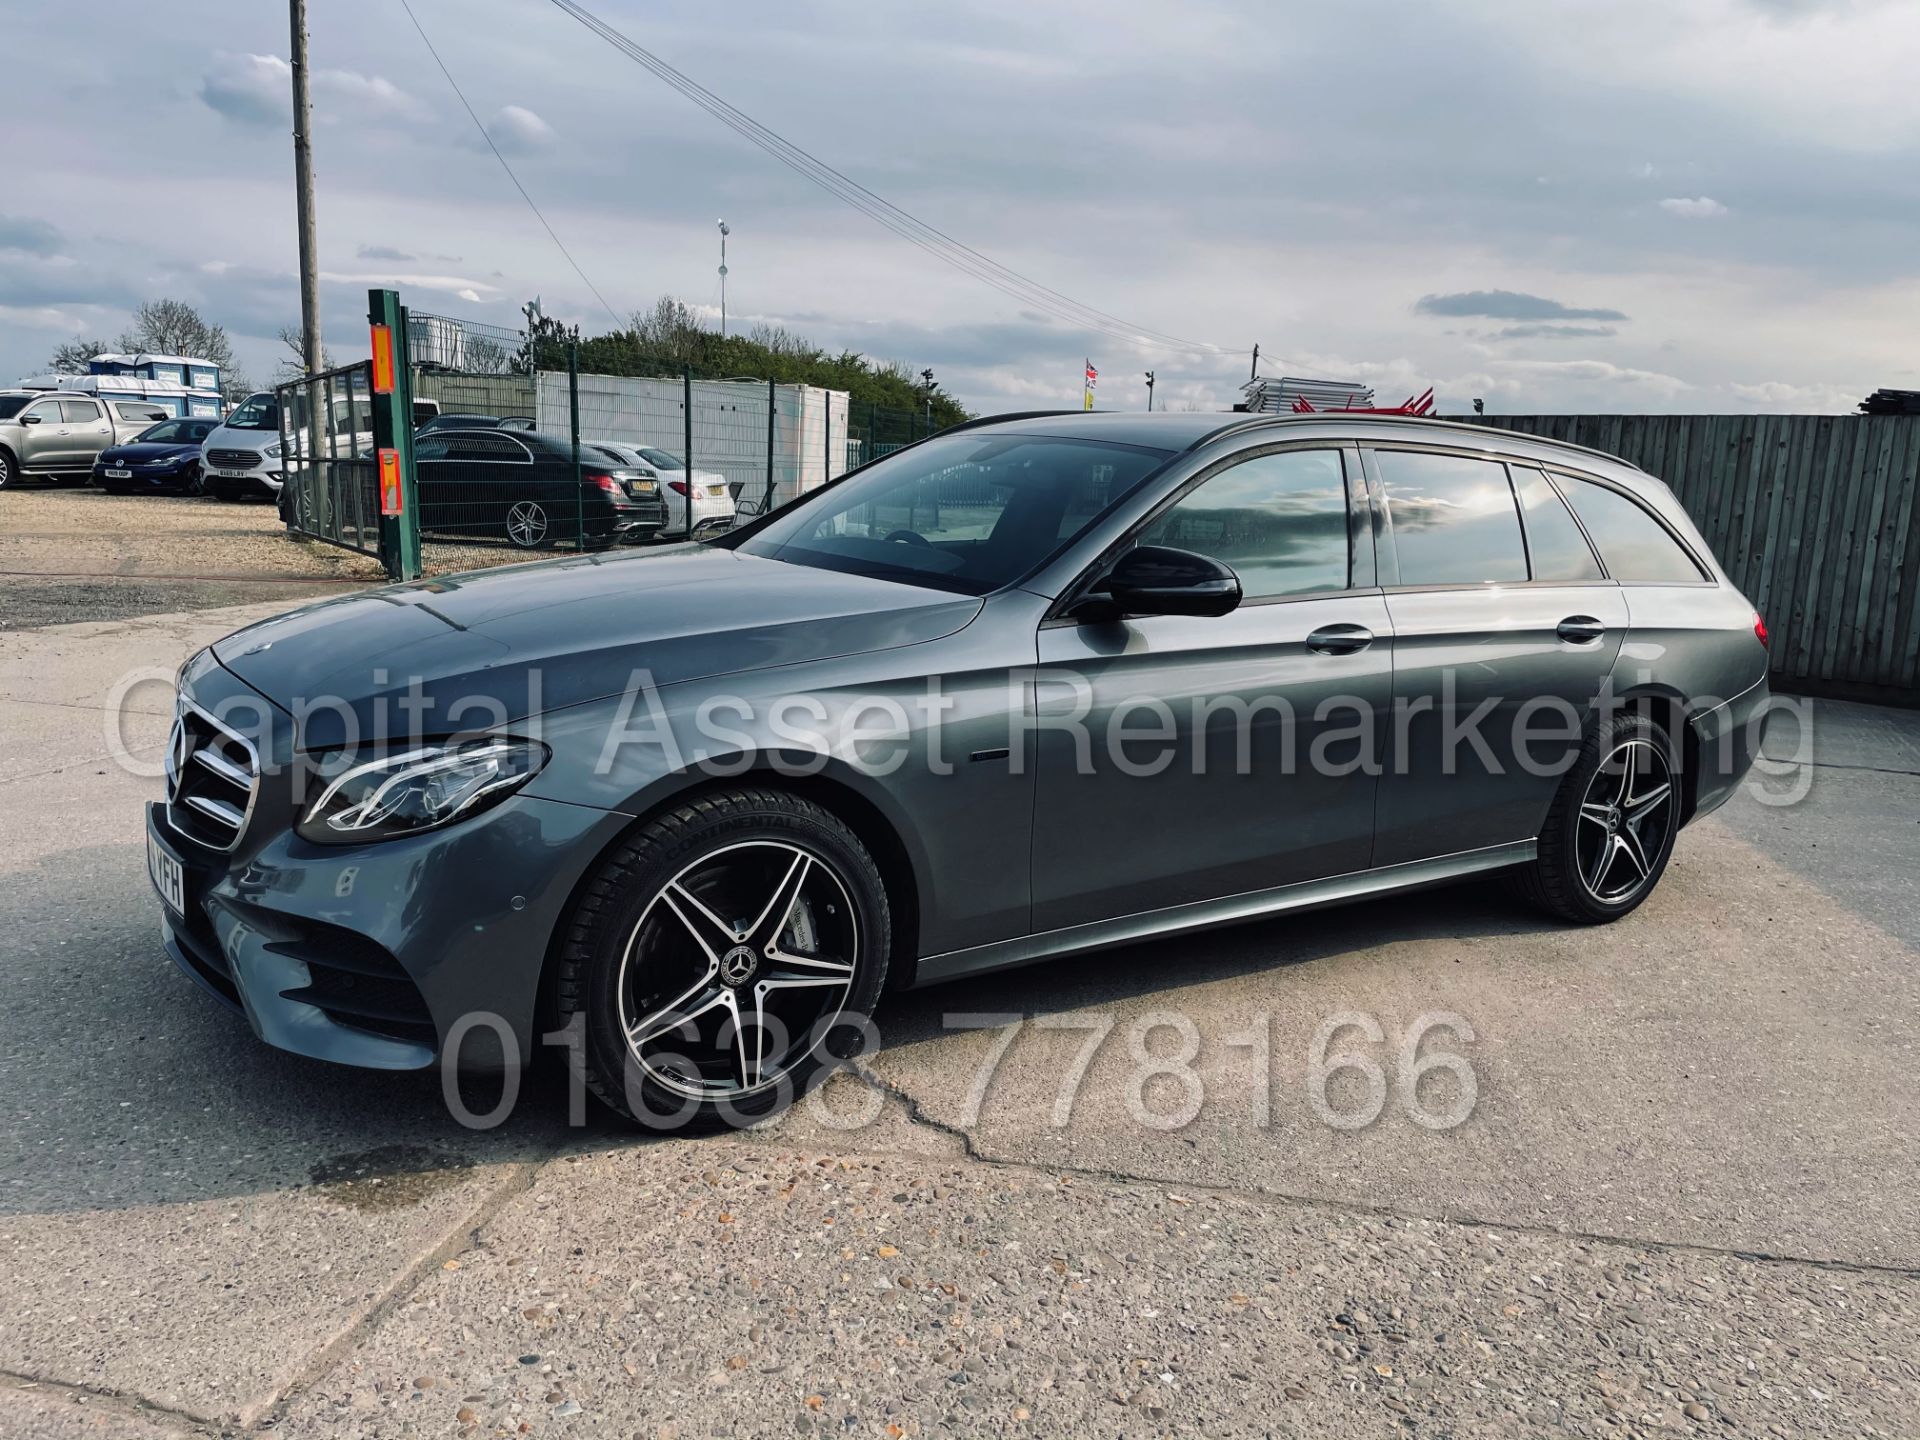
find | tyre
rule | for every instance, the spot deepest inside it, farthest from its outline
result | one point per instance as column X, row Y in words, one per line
column 721, row 960
column 9, row 469
column 1611, row 827
column 196, row 483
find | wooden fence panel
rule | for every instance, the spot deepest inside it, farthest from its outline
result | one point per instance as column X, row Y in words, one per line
column 1813, row 516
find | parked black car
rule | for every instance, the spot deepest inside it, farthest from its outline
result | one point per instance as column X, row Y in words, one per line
column 457, row 422
column 163, row 457
column 520, row 487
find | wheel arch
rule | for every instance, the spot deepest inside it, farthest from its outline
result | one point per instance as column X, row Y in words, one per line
column 1668, row 709
column 836, row 789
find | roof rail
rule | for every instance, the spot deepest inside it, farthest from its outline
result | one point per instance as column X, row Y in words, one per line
column 979, row 420
column 1261, row 422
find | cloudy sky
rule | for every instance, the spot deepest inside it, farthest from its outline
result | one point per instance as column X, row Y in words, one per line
column 1691, row 205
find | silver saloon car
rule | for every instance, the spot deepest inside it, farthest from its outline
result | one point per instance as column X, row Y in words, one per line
column 1036, row 685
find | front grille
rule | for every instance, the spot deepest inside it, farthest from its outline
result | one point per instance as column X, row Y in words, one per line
column 234, row 459
column 213, row 775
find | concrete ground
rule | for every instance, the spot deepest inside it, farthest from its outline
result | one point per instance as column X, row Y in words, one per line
column 1686, row 1199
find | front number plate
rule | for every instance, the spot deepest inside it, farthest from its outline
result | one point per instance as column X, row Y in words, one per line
column 168, row 878
column 113, row 474
column 233, row 474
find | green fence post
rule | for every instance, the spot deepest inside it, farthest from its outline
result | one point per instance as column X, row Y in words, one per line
column 772, row 410
column 573, row 422
column 392, row 432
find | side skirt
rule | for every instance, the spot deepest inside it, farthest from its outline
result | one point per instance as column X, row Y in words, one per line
column 1208, row 914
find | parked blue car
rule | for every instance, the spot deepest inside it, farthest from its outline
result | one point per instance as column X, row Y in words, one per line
column 163, row 457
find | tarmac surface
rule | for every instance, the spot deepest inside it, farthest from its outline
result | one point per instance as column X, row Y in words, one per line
column 1684, row 1196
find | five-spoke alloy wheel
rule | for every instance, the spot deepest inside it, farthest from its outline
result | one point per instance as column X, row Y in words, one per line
column 527, row 525
column 1611, row 827
column 722, row 958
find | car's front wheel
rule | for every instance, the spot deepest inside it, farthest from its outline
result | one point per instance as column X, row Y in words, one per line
column 721, row 959
column 1611, row 828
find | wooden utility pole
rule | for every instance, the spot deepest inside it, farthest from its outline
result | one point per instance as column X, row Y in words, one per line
column 303, row 192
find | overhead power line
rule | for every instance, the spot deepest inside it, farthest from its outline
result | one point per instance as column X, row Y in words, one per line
column 1028, row 291
column 617, row 321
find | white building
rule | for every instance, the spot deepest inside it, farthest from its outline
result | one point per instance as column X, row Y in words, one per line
column 729, row 426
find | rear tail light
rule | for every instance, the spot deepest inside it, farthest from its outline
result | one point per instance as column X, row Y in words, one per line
column 604, row 482
column 679, row 487
column 1760, row 629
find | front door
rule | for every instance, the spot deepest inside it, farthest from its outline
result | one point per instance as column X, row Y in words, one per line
column 46, row 440
column 1181, row 759
column 1504, row 636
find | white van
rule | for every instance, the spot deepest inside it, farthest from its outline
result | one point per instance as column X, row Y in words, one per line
column 241, row 456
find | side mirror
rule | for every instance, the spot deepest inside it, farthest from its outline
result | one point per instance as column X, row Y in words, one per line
column 29, row 419
column 1158, row 580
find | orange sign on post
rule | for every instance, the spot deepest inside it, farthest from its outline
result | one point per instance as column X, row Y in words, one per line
column 391, row 500
column 382, row 360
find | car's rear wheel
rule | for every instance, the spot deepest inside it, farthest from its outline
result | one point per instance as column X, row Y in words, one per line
column 1611, row 828
column 527, row 525
column 721, row 960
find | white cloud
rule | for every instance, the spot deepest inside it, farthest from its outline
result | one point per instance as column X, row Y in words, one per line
column 518, row 128
column 473, row 291
column 250, row 89
column 258, row 90
column 1698, row 207
column 343, row 96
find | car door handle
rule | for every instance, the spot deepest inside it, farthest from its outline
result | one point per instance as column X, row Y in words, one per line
column 1580, row 629
column 1339, row 639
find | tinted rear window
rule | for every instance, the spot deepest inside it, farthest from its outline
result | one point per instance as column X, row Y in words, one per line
column 1454, row 521
column 1634, row 544
column 1555, row 546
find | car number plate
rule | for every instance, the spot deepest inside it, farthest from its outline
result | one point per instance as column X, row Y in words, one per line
column 113, row 474
column 716, row 489
column 233, row 474
column 644, row 487
column 168, row 877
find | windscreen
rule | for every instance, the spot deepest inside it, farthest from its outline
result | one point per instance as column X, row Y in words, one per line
column 971, row 512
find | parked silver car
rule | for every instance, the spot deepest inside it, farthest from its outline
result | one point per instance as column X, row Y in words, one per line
column 58, row 434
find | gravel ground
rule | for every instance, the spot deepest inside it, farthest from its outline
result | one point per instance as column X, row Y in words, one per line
column 80, row 554
column 76, row 553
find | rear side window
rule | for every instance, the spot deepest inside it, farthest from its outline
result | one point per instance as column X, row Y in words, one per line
column 1634, row 544
column 1454, row 521
column 1555, row 546
column 80, row 411
column 1279, row 520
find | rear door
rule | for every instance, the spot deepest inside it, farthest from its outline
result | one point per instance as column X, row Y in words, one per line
column 1215, row 756
column 90, row 430
column 1505, row 633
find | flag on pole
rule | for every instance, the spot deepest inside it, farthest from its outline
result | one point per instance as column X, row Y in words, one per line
column 1086, row 398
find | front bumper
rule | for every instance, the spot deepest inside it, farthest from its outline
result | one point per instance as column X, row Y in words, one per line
column 145, row 477
column 372, row 955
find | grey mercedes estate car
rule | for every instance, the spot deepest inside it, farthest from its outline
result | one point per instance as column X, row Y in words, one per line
column 1037, row 685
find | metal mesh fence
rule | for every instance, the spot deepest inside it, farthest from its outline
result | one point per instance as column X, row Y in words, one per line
column 665, row 452
column 331, row 490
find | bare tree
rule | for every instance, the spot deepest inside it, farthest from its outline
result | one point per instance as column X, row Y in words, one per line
column 294, row 363
column 173, row 327
column 73, row 357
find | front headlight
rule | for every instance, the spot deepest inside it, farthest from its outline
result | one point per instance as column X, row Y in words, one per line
column 272, row 452
column 418, row 789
